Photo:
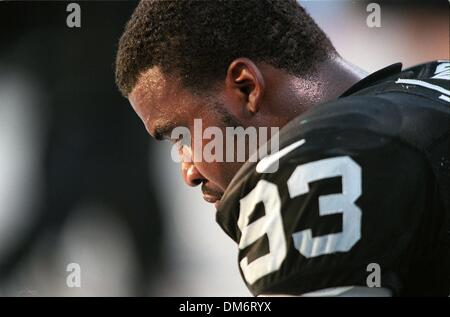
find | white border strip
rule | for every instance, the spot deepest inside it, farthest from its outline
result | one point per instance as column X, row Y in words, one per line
column 445, row 98
column 423, row 84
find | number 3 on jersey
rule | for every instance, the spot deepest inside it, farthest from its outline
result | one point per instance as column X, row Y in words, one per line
column 272, row 225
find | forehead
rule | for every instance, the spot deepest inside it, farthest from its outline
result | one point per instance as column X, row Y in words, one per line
column 159, row 99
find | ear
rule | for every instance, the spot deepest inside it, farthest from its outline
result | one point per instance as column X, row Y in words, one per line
column 245, row 79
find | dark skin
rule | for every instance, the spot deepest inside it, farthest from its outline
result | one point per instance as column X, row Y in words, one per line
column 255, row 94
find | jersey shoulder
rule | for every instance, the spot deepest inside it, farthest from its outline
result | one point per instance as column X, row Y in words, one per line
column 430, row 80
column 412, row 106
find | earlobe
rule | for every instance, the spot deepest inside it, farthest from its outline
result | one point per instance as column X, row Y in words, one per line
column 244, row 76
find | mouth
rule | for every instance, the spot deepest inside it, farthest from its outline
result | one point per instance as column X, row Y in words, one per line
column 212, row 199
column 211, row 196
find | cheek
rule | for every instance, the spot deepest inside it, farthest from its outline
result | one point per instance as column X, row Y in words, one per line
column 214, row 172
column 206, row 151
column 218, row 173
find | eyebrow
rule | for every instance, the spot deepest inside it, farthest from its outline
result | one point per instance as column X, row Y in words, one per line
column 163, row 130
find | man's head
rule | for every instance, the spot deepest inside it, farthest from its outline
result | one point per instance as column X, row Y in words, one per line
column 250, row 63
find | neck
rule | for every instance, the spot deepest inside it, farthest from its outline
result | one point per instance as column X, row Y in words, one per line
column 328, row 81
column 337, row 75
column 332, row 78
column 290, row 95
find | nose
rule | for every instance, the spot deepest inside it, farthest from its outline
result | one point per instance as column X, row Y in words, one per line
column 190, row 174
column 189, row 171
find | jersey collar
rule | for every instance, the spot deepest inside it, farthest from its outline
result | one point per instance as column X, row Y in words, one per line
column 373, row 78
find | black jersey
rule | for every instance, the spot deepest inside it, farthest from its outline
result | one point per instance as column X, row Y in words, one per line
column 363, row 182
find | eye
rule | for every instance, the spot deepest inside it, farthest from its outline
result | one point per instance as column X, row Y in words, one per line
column 158, row 136
column 176, row 140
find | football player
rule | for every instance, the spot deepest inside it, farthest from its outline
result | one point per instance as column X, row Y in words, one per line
column 363, row 169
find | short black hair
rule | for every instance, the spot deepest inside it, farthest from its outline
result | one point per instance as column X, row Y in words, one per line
column 198, row 39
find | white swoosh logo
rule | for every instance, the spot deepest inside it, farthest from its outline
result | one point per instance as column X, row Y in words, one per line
column 267, row 161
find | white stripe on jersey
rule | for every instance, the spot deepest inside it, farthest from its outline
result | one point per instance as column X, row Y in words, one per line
column 423, row 84
column 445, row 98
column 442, row 71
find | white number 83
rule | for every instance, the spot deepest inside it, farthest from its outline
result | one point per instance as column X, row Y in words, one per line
column 272, row 225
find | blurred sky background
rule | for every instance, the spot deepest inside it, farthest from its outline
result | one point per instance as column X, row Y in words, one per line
column 81, row 182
